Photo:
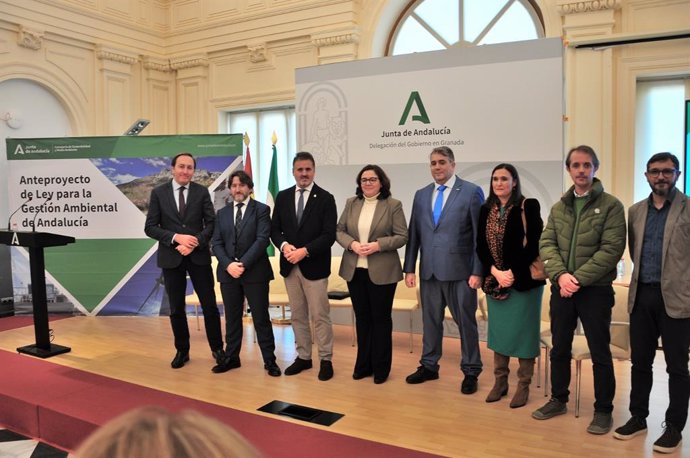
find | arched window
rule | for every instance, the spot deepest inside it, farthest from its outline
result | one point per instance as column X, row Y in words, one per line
column 430, row 25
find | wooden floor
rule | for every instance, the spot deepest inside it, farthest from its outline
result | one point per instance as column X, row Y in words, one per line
column 433, row 417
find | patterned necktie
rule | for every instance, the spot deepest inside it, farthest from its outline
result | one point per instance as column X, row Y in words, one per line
column 300, row 205
column 438, row 205
column 238, row 217
column 181, row 203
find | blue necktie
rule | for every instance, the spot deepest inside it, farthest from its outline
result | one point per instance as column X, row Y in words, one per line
column 438, row 205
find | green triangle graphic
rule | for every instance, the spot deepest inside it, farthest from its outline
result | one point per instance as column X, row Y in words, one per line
column 90, row 268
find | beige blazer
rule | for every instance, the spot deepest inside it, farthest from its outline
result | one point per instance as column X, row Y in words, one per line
column 675, row 262
column 388, row 227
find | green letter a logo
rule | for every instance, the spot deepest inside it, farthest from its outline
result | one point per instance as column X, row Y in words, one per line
column 417, row 100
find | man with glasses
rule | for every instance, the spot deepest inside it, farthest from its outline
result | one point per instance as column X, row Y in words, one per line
column 581, row 245
column 659, row 300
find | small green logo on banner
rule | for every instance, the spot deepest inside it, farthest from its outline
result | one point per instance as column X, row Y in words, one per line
column 416, row 100
column 19, row 149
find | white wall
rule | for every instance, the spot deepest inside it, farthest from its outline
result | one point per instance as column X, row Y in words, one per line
column 39, row 113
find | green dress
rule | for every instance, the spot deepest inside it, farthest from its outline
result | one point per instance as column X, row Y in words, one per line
column 514, row 323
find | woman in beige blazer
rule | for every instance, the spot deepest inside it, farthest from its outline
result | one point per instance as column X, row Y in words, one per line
column 371, row 229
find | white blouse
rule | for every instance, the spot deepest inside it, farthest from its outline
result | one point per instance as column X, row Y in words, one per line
column 364, row 225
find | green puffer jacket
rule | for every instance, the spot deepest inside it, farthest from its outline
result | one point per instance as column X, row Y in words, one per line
column 600, row 233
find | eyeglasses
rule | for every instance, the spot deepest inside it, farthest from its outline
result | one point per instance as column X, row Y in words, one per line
column 371, row 180
column 668, row 173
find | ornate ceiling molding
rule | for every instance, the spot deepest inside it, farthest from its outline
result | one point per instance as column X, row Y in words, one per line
column 573, row 7
column 153, row 63
column 257, row 53
column 178, row 63
column 31, row 39
column 114, row 55
column 334, row 38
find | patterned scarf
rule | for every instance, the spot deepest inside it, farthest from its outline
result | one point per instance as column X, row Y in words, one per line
column 495, row 228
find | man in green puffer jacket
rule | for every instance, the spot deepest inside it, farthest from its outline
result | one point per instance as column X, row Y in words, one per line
column 581, row 245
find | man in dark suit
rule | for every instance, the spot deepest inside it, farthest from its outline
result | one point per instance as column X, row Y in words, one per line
column 239, row 242
column 181, row 218
column 443, row 229
column 303, row 228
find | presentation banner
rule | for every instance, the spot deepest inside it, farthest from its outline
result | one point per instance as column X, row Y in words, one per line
column 97, row 190
column 489, row 104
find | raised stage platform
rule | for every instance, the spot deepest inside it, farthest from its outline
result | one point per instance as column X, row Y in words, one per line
column 118, row 363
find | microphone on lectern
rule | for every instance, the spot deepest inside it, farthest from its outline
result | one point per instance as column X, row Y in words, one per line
column 9, row 220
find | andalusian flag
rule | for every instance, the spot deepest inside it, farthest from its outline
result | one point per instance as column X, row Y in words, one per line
column 273, row 186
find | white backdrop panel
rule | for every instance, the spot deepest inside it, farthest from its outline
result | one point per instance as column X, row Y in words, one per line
column 489, row 104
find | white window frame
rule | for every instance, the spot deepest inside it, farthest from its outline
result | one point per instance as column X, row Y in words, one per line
column 260, row 146
column 531, row 8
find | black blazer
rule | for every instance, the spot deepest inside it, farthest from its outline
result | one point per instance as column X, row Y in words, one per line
column 516, row 257
column 248, row 245
column 163, row 221
column 316, row 230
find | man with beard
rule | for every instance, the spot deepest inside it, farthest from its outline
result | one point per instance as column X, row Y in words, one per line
column 443, row 234
column 581, row 245
column 303, row 229
column 239, row 242
column 659, row 300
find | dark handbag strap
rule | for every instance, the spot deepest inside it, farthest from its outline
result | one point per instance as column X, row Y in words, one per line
column 524, row 222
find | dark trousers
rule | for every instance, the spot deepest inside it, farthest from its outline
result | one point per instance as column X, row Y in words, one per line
column 176, row 288
column 649, row 321
column 592, row 305
column 373, row 305
column 234, row 293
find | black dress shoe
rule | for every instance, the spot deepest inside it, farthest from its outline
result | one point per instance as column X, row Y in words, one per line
column 421, row 375
column 218, row 355
column 180, row 358
column 379, row 379
column 326, row 370
column 469, row 385
column 298, row 366
column 227, row 364
column 359, row 375
column 272, row 369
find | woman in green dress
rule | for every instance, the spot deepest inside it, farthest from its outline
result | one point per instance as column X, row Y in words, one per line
column 513, row 297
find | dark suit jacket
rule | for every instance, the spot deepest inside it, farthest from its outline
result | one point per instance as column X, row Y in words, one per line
column 163, row 221
column 316, row 231
column 248, row 245
column 447, row 250
column 516, row 257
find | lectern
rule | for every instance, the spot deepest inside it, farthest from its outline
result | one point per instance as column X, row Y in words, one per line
column 36, row 242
